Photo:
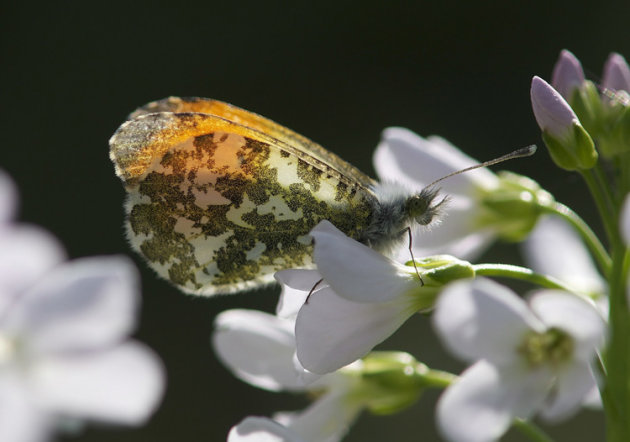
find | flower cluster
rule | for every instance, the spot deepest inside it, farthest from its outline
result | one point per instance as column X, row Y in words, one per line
column 65, row 356
column 560, row 347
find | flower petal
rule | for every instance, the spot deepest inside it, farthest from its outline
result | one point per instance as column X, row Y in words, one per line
column 8, row 197
column 570, row 390
column 616, row 73
column 123, row 384
column 327, row 419
column 27, row 253
column 552, row 112
column 261, row 429
column 83, row 304
column 296, row 285
column 21, row 420
column 456, row 234
column 483, row 319
column 553, row 248
column 332, row 332
column 481, row 405
column 567, row 74
column 258, row 348
column 406, row 158
column 356, row 272
column 576, row 316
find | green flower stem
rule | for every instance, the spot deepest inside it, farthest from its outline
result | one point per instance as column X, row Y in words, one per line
column 604, row 183
column 617, row 361
column 522, row 273
column 603, row 202
column 590, row 239
column 442, row 379
column 530, row 430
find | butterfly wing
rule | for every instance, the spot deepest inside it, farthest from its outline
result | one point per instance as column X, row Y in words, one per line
column 287, row 137
column 218, row 206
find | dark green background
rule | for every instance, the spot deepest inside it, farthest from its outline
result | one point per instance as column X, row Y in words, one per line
column 337, row 72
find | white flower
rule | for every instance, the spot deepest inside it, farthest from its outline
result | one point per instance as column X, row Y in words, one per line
column 259, row 348
column 64, row 351
column 364, row 298
column 555, row 249
column 406, row 158
column 530, row 359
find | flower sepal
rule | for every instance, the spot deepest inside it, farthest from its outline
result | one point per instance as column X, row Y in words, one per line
column 514, row 208
column 587, row 104
column 616, row 139
column 575, row 151
column 439, row 270
column 391, row 381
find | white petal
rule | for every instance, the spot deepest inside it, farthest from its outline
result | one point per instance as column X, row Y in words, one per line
column 20, row 418
column 572, row 386
column 27, row 253
column 261, row 429
column 356, row 272
column 8, row 198
column 296, row 285
column 258, row 348
column 481, row 405
column 326, row 420
column 576, row 316
column 625, row 220
column 122, row 385
column 555, row 249
column 83, row 304
column 404, row 157
column 593, row 399
column 332, row 332
column 483, row 319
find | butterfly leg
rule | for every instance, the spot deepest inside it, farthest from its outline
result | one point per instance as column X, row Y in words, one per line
column 312, row 290
column 408, row 229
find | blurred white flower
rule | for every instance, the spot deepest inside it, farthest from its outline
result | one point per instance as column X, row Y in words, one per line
column 259, row 348
column 529, row 358
column 555, row 249
column 406, row 158
column 64, row 352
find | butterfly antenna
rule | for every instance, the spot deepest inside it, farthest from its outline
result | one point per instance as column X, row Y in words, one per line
column 519, row 153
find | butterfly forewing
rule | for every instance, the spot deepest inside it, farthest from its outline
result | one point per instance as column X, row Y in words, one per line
column 217, row 204
column 290, row 139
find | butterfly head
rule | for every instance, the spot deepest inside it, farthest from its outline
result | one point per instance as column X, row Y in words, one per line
column 423, row 207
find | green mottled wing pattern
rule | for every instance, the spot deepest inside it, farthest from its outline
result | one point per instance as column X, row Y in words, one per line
column 217, row 205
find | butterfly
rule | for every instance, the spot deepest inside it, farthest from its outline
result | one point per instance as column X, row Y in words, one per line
column 220, row 198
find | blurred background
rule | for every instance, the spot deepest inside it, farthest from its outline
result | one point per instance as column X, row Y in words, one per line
column 338, row 72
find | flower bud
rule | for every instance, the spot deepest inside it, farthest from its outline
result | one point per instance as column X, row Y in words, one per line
column 513, row 209
column 391, row 381
column 567, row 75
column 616, row 74
column 570, row 146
